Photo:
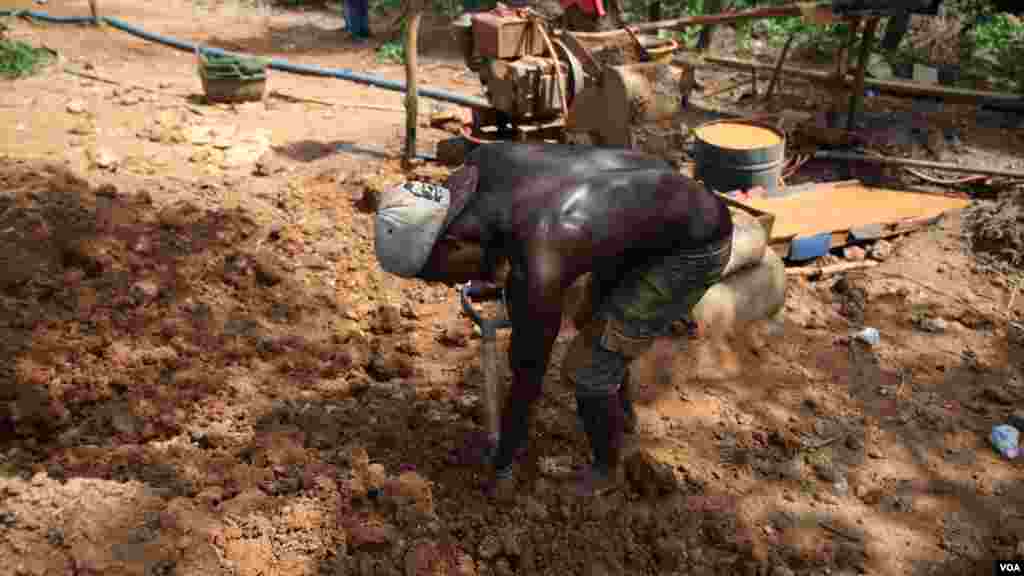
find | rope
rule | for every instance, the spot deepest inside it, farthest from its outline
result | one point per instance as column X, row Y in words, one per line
column 537, row 22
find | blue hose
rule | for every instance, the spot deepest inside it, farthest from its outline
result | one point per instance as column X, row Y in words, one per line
column 305, row 70
column 47, row 18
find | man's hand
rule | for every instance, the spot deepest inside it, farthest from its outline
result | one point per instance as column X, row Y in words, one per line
column 482, row 291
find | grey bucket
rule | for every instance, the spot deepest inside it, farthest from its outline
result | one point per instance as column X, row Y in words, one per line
column 728, row 169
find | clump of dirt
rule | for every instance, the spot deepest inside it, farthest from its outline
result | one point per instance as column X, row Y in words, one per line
column 168, row 367
column 109, row 303
column 995, row 229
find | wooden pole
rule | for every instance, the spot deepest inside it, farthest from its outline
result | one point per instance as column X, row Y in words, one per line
column 857, row 97
column 817, row 272
column 412, row 88
column 891, row 161
column 895, row 87
column 778, row 66
column 93, row 7
column 707, row 35
column 725, row 17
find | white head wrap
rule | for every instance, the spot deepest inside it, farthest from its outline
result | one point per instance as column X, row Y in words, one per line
column 410, row 218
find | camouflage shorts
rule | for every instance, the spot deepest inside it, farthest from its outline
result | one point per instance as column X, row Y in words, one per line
column 642, row 306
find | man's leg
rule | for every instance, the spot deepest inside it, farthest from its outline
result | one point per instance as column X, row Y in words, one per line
column 599, row 405
column 518, row 406
column 602, row 285
column 639, row 309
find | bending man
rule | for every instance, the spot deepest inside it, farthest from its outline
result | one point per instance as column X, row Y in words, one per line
column 653, row 240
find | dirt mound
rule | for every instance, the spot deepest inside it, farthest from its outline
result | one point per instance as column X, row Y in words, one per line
column 165, row 302
column 167, row 367
column 995, row 229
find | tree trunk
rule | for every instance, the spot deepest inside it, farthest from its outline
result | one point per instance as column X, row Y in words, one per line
column 708, row 33
column 411, row 84
column 654, row 10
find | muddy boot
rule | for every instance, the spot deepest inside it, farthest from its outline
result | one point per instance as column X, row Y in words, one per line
column 630, row 423
column 502, row 487
column 603, row 420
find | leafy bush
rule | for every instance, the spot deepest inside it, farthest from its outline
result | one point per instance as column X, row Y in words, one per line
column 998, row 51
column 18, row 59
column 392, row 52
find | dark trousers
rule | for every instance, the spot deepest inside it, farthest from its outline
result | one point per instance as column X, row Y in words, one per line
column 357, row 18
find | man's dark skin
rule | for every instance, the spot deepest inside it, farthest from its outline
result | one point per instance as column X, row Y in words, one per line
column 556, row 213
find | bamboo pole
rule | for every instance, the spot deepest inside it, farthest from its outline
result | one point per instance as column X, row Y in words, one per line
column 894, row 87
column 817, row 272
column 722, row 18
column 778, row 66
column 411, row 82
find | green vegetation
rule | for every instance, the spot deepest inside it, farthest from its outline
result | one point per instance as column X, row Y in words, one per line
column 225, row 66
column 997, row 51
column 991, row 53
column 392, row 52
column 18, row 59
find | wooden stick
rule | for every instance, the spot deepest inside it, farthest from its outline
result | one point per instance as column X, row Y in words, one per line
column 894, row 87
column 753, row 14
column 817, row 272
column 857, row 97
column 113, row 82
column 839, row 532
column 891, row 161
column 298, row 99
column 358, row 105
column 539, row 27
column 411, row 82
column 728, row 88
column 778, row 66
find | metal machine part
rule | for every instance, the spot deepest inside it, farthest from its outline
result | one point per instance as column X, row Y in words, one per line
column 628, row 97
column 526, row 89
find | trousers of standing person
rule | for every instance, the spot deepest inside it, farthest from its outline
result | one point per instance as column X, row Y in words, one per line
column 357, row 18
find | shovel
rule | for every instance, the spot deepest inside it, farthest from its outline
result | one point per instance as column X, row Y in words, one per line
column 491, row 389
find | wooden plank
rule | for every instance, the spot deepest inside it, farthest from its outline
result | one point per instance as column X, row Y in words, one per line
column 895, row 87
column 724, row 17
column 837, row 209
column 816, row 272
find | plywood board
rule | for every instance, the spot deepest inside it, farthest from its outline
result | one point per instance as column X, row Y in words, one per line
column 840, row 208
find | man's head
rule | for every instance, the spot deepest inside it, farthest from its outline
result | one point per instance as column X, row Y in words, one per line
column 410, row 239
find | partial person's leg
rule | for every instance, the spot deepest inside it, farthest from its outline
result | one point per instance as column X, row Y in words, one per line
column 641, row 308
column 600, row 408
column 518, row 404
column 602, row 287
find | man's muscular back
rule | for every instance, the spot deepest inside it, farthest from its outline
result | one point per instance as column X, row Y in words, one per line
column 602, row 217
